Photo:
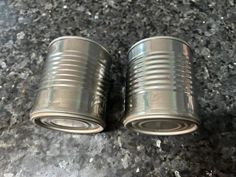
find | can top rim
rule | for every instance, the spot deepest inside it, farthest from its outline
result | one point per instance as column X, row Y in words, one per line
column 158, row 37
column 79, row 38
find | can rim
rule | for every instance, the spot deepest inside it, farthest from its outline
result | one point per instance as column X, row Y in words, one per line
column 158, row 37
column 38, row 116
column 141, row 118
column 79, row 38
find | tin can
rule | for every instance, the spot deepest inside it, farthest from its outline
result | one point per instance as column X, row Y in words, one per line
column 160, row 98
column 74, row 85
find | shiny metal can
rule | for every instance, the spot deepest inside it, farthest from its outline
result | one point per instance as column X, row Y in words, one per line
column 160, row 98
column 72, row 93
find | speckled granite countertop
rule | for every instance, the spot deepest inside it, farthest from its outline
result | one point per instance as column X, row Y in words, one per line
column 27, row 27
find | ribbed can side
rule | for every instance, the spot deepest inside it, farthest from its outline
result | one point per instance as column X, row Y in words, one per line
column 159, row 71
column 75, row 70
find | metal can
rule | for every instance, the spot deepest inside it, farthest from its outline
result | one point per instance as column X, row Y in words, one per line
column 74, row 85
column 160, row 98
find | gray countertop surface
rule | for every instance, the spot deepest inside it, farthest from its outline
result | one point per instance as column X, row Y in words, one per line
column 26, row 29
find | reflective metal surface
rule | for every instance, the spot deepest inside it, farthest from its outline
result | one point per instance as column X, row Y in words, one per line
column 160, row 97
column 72, row 93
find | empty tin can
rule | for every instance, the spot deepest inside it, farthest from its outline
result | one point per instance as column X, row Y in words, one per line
column 72, row 92
column 160, row 98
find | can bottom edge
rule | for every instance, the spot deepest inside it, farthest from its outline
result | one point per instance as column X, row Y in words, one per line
column 66, row 122
column 163, row 125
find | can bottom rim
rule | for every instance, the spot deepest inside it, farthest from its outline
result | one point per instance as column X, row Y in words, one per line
column 68, row 122
column 163, row 125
